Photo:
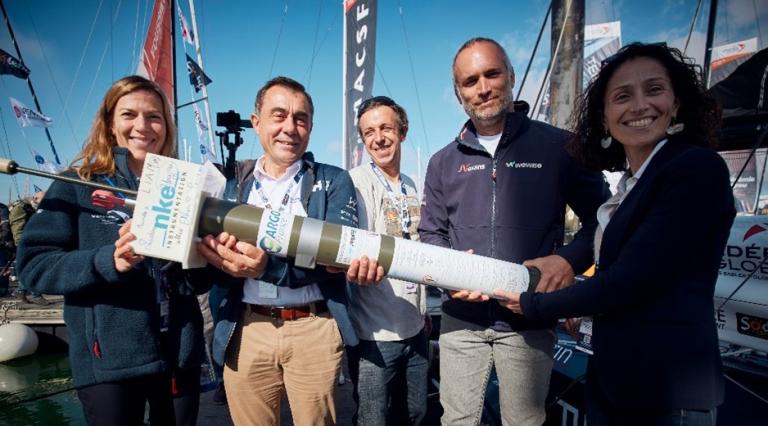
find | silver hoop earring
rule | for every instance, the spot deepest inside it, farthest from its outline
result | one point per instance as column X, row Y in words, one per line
column 675, row 128
column 606, row 142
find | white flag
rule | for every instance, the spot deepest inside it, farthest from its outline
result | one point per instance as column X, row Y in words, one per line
column 202, row 126
column 206, row 154
column 186, row 33
column 46, row 166
column 28, row 117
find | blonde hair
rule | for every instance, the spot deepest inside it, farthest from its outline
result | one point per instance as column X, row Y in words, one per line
column 96, row 155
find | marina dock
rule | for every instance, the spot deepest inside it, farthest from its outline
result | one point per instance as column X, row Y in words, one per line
column 14, row 310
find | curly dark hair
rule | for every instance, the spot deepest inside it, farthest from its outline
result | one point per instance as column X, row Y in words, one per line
column 697, row 111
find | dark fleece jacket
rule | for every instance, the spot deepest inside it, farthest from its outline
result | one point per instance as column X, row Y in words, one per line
column 112, row 318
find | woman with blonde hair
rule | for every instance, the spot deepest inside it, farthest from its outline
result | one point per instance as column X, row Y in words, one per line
column 134, row 324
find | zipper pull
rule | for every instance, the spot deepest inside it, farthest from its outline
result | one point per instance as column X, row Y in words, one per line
column 96, row 349
column 493, row 172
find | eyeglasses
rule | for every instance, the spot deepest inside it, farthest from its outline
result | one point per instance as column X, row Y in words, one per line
column 374, row 101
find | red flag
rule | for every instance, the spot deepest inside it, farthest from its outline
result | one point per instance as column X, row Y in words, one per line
column 157, row 56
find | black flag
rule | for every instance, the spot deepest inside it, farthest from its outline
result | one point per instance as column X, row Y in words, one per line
column 197, row 77
column 13, row 66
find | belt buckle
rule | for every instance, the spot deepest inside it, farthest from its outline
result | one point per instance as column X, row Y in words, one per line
column 273, row 312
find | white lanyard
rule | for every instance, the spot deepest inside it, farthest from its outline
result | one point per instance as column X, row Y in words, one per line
column 401, row 203
column 259, row 188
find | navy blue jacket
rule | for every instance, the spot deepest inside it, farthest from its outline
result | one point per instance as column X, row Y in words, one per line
column 509, row 205
column 112, row 318
column 654, row 332
column 327, row 194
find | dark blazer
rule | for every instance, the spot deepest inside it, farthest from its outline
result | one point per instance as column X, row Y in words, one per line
column 654, row 333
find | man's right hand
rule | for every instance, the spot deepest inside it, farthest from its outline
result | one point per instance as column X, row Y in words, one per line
column 236, row 258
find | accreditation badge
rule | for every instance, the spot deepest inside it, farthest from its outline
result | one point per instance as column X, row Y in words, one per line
column 584, row 340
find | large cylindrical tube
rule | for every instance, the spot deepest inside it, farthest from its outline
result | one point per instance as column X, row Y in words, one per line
column 311, row 241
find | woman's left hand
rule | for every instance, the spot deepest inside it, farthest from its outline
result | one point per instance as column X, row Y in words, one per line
column 124, row 256
column 509, row 300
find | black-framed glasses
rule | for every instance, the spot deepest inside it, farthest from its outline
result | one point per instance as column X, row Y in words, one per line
column 374, row 101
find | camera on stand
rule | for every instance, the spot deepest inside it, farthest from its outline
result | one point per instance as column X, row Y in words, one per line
column 233, row 125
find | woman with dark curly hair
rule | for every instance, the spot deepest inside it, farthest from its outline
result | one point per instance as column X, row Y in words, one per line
column 658, row 246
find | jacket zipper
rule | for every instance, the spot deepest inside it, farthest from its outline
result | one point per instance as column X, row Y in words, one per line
column 494, row 158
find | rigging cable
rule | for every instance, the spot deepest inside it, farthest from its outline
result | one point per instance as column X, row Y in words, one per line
column 279, row 35
column 314, row 44
column 746, row 389
column 98, row 68
column 413, row 75
column 8, row 145
column 533, row 54
column 320, row 46
column 82, row 55
column 50, row 72
column 693, row 23
column 552, row 58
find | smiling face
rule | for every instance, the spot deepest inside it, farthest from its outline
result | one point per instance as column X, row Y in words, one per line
column 483, row 84
column 139, row 125
column 283, row 124
column 380, row 129
column 639, row 105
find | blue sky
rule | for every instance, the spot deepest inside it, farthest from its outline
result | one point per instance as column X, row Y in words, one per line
column 77, row 49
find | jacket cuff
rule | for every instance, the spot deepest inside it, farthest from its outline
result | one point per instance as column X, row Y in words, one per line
column 104, row 265
column 527, row 304
column 274, row 270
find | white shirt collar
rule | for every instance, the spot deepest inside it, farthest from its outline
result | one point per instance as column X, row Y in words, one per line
column 260, row 173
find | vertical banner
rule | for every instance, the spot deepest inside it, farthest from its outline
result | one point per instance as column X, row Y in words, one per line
column 359, row 62
column 726, row 58
column 600, row 42
column 156, row 61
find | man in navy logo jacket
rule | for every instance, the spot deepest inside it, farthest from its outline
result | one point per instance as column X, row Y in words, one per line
column 500, row 189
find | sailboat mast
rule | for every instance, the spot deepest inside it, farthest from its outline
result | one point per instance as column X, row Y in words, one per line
column 567, row 61
column 29, row 80
column 710, row 39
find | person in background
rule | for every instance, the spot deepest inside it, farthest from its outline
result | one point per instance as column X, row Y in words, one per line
column 389, row 315
column 651, row 300
column 280, row 326
column 19, row 215
column 7, row 249
column 134, row 324
column 500, row 189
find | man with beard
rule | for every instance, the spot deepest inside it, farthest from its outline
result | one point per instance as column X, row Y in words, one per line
column 500, row 189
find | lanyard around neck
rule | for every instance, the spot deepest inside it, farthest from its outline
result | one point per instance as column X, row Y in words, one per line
column 286, row 197
column 400, row 202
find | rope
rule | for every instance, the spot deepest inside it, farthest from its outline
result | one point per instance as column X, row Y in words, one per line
column 413, row 75
column 757, row 22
